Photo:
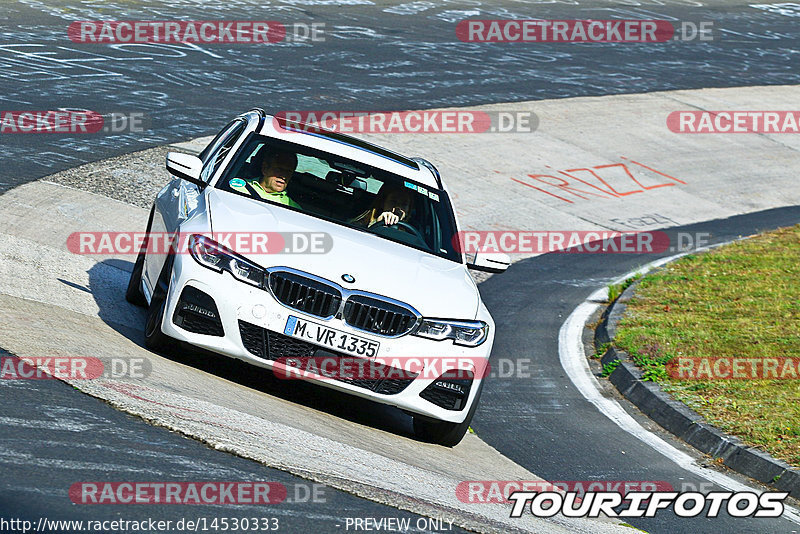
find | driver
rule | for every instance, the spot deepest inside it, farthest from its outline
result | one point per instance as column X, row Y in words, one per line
column 276, row 171
column 390, row 207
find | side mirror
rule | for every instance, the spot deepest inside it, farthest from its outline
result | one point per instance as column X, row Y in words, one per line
column 490, row 262
column 185, row 167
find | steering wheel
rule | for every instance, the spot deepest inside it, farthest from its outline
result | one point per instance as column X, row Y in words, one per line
column 410, row 229
column 377, row 227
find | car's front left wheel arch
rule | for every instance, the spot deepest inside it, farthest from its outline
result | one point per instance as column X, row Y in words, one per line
column 133, row 293
column 155, row 339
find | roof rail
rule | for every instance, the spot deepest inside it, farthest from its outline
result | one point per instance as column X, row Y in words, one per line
column 262, row 115
column 319, row 131
column 428, row 165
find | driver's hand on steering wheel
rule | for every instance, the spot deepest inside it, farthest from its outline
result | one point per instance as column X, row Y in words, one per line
column 388, row 218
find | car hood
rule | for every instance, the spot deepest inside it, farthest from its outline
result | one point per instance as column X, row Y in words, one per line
column 436, row 287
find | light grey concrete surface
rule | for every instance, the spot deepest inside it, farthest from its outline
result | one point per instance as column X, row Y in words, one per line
column 725, row 174
column 74, row 305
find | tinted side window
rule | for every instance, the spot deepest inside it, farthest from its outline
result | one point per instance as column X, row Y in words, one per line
column 215, row 142
column 218, row 150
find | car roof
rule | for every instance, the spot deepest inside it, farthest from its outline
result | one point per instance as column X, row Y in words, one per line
column 349, row 147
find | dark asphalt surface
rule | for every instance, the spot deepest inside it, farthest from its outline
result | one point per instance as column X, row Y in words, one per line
column 381, row 56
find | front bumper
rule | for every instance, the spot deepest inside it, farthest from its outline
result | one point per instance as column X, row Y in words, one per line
column 253, row 324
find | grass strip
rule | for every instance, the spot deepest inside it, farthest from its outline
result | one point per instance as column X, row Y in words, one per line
column 740, row 301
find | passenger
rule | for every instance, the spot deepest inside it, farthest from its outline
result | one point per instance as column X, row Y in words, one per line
column 390, row 207
column 276, row 172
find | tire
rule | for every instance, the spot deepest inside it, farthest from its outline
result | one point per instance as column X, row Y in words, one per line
column 134, row 293
column 443, row 432
column 154, row 338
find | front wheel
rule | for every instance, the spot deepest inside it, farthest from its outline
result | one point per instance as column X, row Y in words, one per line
column 444, row 432
column 134, row 293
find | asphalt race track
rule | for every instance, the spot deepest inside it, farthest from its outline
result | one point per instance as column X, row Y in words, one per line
column 361, row 460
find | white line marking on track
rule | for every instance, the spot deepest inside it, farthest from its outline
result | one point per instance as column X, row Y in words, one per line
column 574, row 362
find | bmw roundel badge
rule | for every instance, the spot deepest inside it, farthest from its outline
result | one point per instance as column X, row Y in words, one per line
column 349, row 278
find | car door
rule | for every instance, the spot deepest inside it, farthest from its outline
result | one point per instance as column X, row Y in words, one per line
column 178, row 199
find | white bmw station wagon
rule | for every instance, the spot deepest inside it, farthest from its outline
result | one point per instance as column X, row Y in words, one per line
column 382, row 307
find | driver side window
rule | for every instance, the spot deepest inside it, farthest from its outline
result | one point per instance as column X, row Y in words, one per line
column 214, row 154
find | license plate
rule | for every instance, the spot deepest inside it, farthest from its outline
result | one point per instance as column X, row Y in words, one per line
column 330, row 337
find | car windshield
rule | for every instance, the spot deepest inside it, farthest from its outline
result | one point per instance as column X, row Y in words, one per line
column 343, row 191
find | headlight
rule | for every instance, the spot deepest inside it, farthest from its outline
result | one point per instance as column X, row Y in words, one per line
column 211, row 254
column 469, row 333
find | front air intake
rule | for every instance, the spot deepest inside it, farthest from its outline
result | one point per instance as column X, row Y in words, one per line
column 197, row 312
column 449, row 391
